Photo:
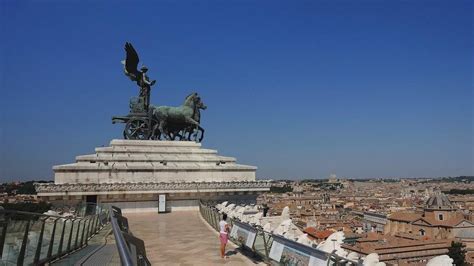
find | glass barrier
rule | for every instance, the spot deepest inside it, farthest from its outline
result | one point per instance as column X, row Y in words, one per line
column 32, row 238
column 45, row 241
column 261, row 244
column 33, row 234
column 13, row 241
column 66, row 234
column 56, row 237
column 82, row 231
column 131, row 249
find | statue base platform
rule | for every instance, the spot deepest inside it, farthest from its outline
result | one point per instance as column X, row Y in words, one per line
column 132, row 174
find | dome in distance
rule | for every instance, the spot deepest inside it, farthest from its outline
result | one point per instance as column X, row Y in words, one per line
column 438, row 201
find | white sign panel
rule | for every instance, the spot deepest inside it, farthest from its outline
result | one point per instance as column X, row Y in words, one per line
column 162, row 203
column 250, row 239
column 317, row 262
column 233, row 231
column 288, row 252
column 243, row 235
column 276, row 251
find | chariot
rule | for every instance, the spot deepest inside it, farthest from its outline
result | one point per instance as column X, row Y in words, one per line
column 143, row 124
column 139, row 123
column 146, row 121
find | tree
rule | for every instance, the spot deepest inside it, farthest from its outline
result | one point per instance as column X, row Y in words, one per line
column 27, row 188
column 457, row 252
column 283, row 189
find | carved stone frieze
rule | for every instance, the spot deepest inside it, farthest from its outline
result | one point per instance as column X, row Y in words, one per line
column 50, row 187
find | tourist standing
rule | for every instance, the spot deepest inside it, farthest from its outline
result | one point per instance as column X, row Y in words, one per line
column 224, row 234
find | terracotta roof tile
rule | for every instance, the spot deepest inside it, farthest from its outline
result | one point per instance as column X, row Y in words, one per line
column 454, row 219
column 318, row 234
column 405, row 216
column 391, row 247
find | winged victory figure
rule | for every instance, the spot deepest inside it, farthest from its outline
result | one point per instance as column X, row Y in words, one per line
column 139, row 76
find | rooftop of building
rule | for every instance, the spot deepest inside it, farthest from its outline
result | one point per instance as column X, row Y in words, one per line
column 438, row 201
column 175, row 238
column 183, row 238
column 430, row 218
column 318, row 234
column 391, row 247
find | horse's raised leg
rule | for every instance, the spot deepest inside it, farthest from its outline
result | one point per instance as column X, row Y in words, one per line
column 202, row 133
column 194, row 123
column 182, row 135
column 196, row 132
column 177, row 135
column 189, row 131
column 156, row 132
column 163, row 130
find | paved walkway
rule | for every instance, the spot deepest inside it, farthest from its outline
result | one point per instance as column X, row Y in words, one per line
column 181, row 238
column 101, row 250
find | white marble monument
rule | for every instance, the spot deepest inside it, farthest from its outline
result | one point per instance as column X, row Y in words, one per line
column 152, row 161
column 133, row 173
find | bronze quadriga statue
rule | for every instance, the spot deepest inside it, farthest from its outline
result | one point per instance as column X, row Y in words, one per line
column 147, row 121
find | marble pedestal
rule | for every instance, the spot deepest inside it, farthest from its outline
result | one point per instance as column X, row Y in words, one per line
column 133, row 173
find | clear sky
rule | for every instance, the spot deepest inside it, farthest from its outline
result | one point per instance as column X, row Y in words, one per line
column 301, row 89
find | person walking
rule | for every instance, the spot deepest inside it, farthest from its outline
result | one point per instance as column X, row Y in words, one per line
column 224, row 234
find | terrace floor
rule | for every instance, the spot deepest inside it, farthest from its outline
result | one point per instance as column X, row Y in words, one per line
column 181, row 238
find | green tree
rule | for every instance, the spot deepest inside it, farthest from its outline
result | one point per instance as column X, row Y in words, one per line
column 39, row 207
column 460, row 191
column 457, row 252
column 284, row 189
column 27, row 188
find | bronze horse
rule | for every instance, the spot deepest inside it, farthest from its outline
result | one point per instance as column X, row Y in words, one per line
column 178, row 121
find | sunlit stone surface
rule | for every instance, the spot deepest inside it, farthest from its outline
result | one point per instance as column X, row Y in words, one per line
column 372, row 260
column 333, row 242
column 182, row 238
column 132, row 174
column 443, row 260
column 152, row 161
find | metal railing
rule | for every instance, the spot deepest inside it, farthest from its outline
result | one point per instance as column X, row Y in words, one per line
column 131, row 249
column 33, row 239
column 262, row 244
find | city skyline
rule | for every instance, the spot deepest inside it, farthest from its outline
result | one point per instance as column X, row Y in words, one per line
column 299, row 90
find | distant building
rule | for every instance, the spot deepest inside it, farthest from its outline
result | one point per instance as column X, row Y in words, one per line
column 374, row 222
column 333, row 179
column 398, row 249
column 439, row 220
column 317, row 235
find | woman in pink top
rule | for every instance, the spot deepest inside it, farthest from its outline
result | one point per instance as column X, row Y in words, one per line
column 224, row 234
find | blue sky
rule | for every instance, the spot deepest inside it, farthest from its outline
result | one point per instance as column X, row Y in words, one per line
column 301, row 89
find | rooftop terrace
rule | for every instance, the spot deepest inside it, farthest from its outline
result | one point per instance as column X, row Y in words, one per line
column 181, row 238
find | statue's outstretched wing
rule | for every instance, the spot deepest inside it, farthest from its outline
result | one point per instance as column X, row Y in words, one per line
column 131, row 62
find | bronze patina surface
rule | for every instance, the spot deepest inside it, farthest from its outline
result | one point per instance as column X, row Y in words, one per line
column 146, row 121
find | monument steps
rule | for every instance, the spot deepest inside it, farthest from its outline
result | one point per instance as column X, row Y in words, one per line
column 152, row 161
column 150, row 167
